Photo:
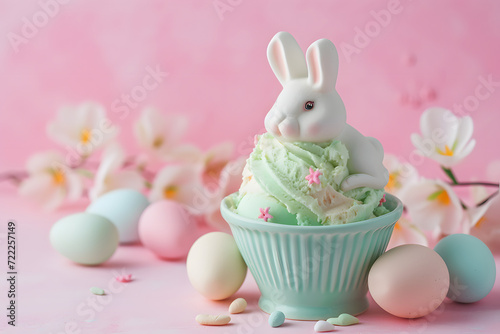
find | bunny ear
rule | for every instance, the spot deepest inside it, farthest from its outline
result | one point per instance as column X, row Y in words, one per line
column 286, row 58
column 322, row 65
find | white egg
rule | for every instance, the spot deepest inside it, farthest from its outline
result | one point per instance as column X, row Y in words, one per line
column 215, row 267
column 123, row 207
column 84, row 238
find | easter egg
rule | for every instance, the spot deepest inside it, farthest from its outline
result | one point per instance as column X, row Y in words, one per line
column 215, row 267
column 251, row 204
column 84, row 238
column 122, row 207
column 167, row 229
column 471, row 266
column 409, row 281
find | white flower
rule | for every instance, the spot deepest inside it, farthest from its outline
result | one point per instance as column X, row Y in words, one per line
column 84, row 127
column 445, row 137
column 229, row 182
column 50, row 181
column 485, row 221
column 405, row 232
column 214, row 161
column 110, row 176
column 400, row 174
column 160, row 134
column 434, row 206
column 181, row 183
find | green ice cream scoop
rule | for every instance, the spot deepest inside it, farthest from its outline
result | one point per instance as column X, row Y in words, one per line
column 298, row 183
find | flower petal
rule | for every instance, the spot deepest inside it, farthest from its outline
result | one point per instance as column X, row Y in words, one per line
column 464, row 133
column 74, row 185
column 439, row 125
column 41, row 188
column 428, row 212
column 42, row 162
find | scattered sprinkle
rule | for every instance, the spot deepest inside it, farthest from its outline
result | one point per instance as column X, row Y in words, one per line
column 313, row 176
column 124, row 278
column 382, row 200
column 323, row 326
column 97, row 291
column 344, row 320
column 276, row 319
column 213, row 320
column 238, row 305
column 264, row 214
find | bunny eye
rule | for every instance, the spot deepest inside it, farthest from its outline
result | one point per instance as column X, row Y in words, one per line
column 308, row 105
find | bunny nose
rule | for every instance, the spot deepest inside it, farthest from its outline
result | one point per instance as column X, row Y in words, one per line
column 289, row 127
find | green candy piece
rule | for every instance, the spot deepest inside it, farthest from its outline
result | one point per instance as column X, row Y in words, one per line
column 97, row 291
column 344, row 320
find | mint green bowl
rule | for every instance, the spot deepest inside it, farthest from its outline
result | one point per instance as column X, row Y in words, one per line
column 312, row 272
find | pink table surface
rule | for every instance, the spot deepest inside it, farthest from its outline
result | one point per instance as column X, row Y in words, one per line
column 54, row 293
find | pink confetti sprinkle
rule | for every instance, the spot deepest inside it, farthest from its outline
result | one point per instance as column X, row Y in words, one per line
column 382, row 200
column 313, row 176
column 264, row 214
column 124, row 278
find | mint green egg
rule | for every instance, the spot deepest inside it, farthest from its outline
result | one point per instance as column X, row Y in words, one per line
column 471, row 266
column 84, row 238
column 251, row 204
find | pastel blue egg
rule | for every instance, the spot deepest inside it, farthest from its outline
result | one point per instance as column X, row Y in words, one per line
column 123, row 207
column 276, row 319
column 471, row 266
column 84, row 238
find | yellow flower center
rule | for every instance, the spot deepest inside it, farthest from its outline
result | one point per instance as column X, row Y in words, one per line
column 85, row 136
column 397, row 226
column 441, row 196
column 158, row 142
column 170, row 192
column 393, row 181
column 480, row 222
column 58, row 177
column 447, row 151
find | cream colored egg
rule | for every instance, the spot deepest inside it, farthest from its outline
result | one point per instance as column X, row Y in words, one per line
column 215, row 267
column 409, row 281
column 85, row 238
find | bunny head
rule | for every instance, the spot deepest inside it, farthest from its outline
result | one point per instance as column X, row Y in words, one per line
column 308, row 108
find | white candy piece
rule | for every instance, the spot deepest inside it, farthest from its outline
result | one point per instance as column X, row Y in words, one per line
column 344, row 320
column 323, row 326
column 213, row 320
column 237, row 306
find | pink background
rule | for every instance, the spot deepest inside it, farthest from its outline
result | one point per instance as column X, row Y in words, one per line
column 219, row 75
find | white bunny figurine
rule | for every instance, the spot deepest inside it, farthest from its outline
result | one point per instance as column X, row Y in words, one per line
column 309, row 109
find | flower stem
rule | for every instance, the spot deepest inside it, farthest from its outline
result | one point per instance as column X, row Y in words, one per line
column 15, row 177
column 486, row 184
column 450, row 174
column 487, row 199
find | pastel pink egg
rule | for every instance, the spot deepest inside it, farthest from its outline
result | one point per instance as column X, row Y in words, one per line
column 167, row 229
column 409, row 281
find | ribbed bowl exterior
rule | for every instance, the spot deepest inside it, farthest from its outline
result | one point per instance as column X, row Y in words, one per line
column 312, row 273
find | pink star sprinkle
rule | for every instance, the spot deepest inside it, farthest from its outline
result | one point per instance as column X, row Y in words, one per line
column 313, row 176
column 124, row 278
column 382, row 200
column 264, row 214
